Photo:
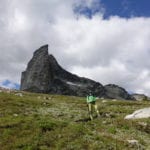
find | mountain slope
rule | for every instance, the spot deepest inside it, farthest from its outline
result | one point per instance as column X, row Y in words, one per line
column 41, row 121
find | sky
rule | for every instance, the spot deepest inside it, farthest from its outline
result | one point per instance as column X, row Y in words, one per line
column 104, row 40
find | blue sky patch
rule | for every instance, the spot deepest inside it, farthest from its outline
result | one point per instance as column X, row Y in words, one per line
column 121, row 8
column 126, row 8
column 88, row 10
column 11, row 85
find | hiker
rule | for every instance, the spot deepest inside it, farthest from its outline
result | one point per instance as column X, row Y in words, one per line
column 91, row 101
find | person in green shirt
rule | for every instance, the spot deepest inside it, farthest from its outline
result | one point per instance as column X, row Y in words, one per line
column 91, row 101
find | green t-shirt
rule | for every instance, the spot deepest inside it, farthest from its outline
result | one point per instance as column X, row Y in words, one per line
column 90, row 99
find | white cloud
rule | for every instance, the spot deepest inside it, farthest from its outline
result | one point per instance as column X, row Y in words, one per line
column 109, row 51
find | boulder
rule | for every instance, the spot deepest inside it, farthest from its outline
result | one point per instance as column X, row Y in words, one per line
column 141, row 113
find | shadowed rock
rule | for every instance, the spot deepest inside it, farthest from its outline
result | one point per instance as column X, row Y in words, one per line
column 113, row 91
column 45, row 75
column 38, row 76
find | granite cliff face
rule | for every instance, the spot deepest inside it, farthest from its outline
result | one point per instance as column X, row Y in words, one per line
column 38, row 76
column 45, row 75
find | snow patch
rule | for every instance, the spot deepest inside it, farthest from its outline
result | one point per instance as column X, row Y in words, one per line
column 71, row 83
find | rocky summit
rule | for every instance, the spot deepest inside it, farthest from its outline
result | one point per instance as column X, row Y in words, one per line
column 38, row 76
column 114, row 91
column 140, row 97
column 45, row 75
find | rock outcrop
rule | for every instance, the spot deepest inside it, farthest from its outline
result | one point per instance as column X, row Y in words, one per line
column 141, row 113
column 45, row 75
column 140, row 97
column 113, row 91
column 38, row 76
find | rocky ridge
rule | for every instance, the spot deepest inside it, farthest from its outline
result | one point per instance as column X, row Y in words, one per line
column 117, row 92
column 45, row 75
column 140, row 97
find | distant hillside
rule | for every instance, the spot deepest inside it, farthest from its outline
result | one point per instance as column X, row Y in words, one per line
column 30, row 121
column 140, row 97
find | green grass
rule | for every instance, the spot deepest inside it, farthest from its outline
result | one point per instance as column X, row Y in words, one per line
column 33, row 122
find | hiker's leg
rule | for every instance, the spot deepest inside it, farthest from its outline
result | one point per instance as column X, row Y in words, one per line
column 90, row 110
column 96, row 109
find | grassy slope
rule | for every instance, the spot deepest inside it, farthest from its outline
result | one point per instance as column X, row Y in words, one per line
column 34, row 123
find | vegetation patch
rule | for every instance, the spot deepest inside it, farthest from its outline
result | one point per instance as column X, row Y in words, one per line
column 33, row 122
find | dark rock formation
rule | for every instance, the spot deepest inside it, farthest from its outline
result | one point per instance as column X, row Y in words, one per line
column 38, row 76
column 113, row 91
column 45, row 75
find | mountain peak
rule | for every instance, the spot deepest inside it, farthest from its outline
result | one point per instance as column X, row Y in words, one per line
column 45, row 75
column 43, row 50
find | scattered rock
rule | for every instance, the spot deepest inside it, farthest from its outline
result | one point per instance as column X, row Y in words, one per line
column 39, row 97
column 107, row 115
column 19, row 94
column 15, row 115
column 144, row 124
column 47, row 98
column 141, row 113
column 135, row 144
column 45, row 104
column 114, row 100
column 104, row 101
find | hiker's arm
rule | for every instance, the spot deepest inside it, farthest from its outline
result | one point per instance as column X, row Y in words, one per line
column 87, row 99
